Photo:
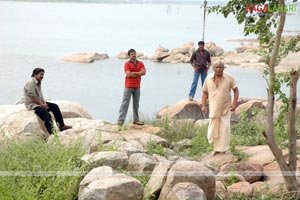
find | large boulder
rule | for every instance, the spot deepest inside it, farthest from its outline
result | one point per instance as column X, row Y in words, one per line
column 145, row 128
column 184, row 109
column 114, row 159
column 117, row 187
column 254, row 105
column 258, row 154
column 161, row 49
column 180, row 50
column 186, row 191
column 141, row 162
column 16, row 121
column 158, row 178
column 245, row 59
column 221, row 191
column 242, row 188
column 214, row 162
column 130, row 147
column 230, row 178
column 159, row 56
column 274, row 178
column 176, row 57
column 85, row 57
column 216, row 51
column 71, row 109
column 193, row 172
column 289, row 63
column 22, row 124
column 181, row 54
column 96, row 174
column 122, row 55
column 91, row 133
column 251, row 172
column 143, row 137
column 213, row 49
column 189, row 44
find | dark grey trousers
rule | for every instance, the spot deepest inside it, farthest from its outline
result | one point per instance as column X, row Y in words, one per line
column 135, row 92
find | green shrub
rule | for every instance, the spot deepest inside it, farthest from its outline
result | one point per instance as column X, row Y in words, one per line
column 199, row 142
column 164, row 123
column 247, row 131
column 237, row 153
column 50, row 170
column 182, row 130
column 155, row 148
column 178, row 131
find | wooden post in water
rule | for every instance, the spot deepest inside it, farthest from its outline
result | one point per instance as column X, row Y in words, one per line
column 204, row 14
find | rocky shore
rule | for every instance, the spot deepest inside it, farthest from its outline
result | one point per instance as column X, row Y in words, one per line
column 244, row 56
column 172, row 176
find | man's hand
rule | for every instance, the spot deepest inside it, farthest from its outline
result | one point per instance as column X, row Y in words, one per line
column 233, row 107
column 204, row 109
column 44, row 105
column 131, row 74
column 195, row 68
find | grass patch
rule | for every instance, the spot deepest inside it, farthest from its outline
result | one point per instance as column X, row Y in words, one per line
column 179, row 130
column 247, row 131
column 199, row 143
column 41, row 162
column 153, row 147
column 237, row 153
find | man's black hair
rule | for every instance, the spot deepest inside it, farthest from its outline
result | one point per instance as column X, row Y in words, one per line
column 37, row 71
column 201, row 42
column 130, row 51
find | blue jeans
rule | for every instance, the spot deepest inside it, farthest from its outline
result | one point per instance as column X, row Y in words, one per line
column 195, row 82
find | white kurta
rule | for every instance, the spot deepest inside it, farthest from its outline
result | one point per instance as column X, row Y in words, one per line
column 219, row 110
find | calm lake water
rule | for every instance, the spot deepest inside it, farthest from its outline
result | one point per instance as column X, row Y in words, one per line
column 39, row 34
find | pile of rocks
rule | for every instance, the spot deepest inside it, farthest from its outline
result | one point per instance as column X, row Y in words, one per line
column 119, row 156
column 244, row 56
column 183, row 53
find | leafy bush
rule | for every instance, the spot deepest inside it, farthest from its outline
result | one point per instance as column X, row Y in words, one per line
column 199, row 142
column 177, row 131
column 184, row 130
column 46, row 170
column 247, row 131
column 237, row 153
column 154, row 148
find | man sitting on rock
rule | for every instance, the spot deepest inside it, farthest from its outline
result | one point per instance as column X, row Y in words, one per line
column 34, row 100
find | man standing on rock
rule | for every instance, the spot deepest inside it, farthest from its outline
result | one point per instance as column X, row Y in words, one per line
column 217, row 87
column 34, row 100
column 134, row 69
column 201, row 62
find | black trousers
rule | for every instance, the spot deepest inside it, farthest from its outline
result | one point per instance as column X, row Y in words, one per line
column 46, row 117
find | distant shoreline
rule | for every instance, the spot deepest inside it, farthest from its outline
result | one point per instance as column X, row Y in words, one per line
column 145, row 2
column 256, row 40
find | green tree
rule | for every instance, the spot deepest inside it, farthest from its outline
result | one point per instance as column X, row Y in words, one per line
column 262, row 25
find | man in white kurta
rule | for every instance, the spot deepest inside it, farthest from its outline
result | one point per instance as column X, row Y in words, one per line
column 217, row 89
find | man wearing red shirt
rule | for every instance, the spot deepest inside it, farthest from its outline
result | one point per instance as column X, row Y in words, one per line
column 134, row 69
